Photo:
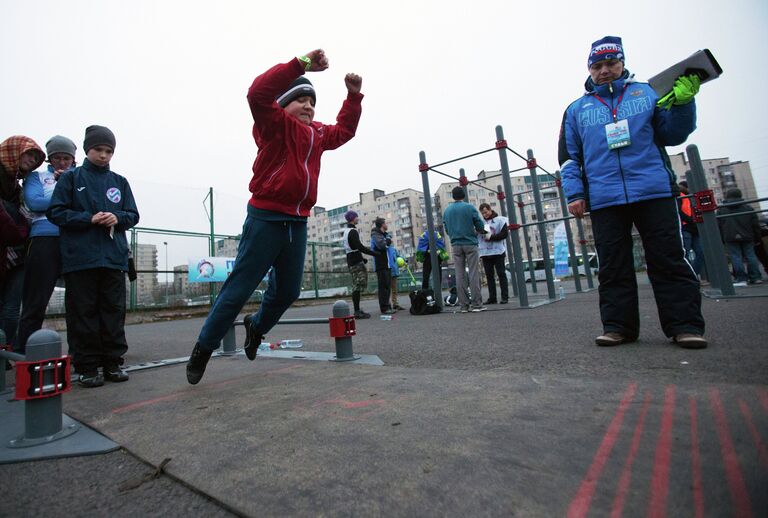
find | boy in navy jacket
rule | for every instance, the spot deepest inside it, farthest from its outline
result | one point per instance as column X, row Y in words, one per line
column 93, row 208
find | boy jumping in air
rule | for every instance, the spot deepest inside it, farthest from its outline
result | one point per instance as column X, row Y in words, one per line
column 284, row 189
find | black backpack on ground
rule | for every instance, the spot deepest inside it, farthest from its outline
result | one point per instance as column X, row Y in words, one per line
column 423, row 302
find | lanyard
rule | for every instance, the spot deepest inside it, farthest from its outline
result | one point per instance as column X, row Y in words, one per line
column 613, row 112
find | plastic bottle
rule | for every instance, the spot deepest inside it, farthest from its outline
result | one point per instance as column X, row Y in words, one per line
column 291, row 344
column 266, row 346
column 386, row 317
column 562, row 292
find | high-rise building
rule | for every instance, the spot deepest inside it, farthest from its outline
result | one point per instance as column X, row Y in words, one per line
column 146, row 283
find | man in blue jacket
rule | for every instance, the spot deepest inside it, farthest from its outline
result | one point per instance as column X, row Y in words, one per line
column 93, row 207
column 614, row 164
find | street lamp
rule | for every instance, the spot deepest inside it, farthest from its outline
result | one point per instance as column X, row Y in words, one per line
column 166, row 271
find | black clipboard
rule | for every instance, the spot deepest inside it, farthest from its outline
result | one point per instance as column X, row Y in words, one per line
column 701, row 62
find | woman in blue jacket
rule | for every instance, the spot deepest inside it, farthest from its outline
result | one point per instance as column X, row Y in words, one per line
column 42, row 267
column 613, row 162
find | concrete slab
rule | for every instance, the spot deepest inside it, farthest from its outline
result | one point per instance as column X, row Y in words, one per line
column 81, row 441
column 277, row 438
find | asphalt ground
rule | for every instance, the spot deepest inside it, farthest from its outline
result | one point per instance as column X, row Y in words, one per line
column 507, row 412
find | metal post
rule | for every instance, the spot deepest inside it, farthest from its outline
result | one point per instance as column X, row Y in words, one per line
column 133, row 294
column 3, row 343
column 584, row 252
column 344, row 351
column 211, row 245
column 514, row 235
column 541, row 224
column 569, row 235
column 314, row 271
column 228, row 342
column 717, row 266
column 437, row 281
column 527, row 241
column 42, row 416
column 167, row 301
column 503, row 207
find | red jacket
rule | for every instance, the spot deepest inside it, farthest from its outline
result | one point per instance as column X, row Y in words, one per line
column 287, row 165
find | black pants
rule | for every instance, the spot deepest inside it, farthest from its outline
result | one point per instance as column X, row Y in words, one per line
column 674, row 283
column 384, row 279
column 95, row 302
column 491, row 263
column 42, row 269
column 426, row 276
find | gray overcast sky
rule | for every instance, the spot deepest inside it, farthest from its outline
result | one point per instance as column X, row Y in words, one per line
column 170, row 78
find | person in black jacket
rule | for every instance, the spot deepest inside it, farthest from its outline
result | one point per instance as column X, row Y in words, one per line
column 355, row 261
column 380, row 241
column 740, row 233
column 93, row 207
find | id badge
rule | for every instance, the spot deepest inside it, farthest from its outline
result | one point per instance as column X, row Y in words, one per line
column 617, row 134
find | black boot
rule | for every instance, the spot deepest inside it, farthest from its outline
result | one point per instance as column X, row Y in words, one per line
column 253, row 338
column 196, row 364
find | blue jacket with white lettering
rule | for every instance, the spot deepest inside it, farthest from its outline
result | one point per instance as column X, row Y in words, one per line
column 637, row 172
column 81, row 193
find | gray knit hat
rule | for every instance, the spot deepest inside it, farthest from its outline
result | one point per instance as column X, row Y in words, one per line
column 98, row 136
column 59, row 144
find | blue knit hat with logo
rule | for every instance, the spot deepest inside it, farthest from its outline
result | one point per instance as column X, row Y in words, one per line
column 608, row 47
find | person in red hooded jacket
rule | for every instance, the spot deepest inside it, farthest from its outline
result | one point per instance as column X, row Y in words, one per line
column 283, row 190
column 19, row 155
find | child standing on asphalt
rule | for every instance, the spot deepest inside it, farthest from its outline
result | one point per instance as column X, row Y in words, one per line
column 42, row 267
column 284, row 189
column 93, row 207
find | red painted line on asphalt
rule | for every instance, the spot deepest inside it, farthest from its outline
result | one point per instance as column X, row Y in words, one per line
column 739, row 495
column 174, row 395
column 698, row 494
column 762, row 452
column 626, row 473
column 579, row 506
column 657, row 507
column 762, row 394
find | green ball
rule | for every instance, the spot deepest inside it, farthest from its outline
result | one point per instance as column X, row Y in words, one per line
column 400, row 261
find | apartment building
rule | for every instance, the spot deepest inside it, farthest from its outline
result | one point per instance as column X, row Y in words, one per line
column 721, row 174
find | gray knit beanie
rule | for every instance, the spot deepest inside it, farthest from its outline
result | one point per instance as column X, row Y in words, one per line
column 98, row 136
column 59, row 144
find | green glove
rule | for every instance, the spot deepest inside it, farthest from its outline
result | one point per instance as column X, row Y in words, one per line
column 683, row 91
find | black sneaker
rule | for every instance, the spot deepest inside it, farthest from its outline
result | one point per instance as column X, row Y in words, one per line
column 490, row 301
column 253, row 338
column 362, row 315
column 196, row 364
column 115, row 374
column 90, row 379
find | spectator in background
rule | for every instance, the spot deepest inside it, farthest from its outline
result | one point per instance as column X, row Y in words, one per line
column 380, row 243
column 42, row 267
column 423, row 256
column 393, row 255
column 355, row 249
column 462, row 224
column 740, row 233
column 93, row 207
column 691, row 239
column 19, row 155
column 493, row 249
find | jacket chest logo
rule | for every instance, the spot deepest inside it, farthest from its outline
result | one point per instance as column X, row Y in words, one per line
column 113, row 195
